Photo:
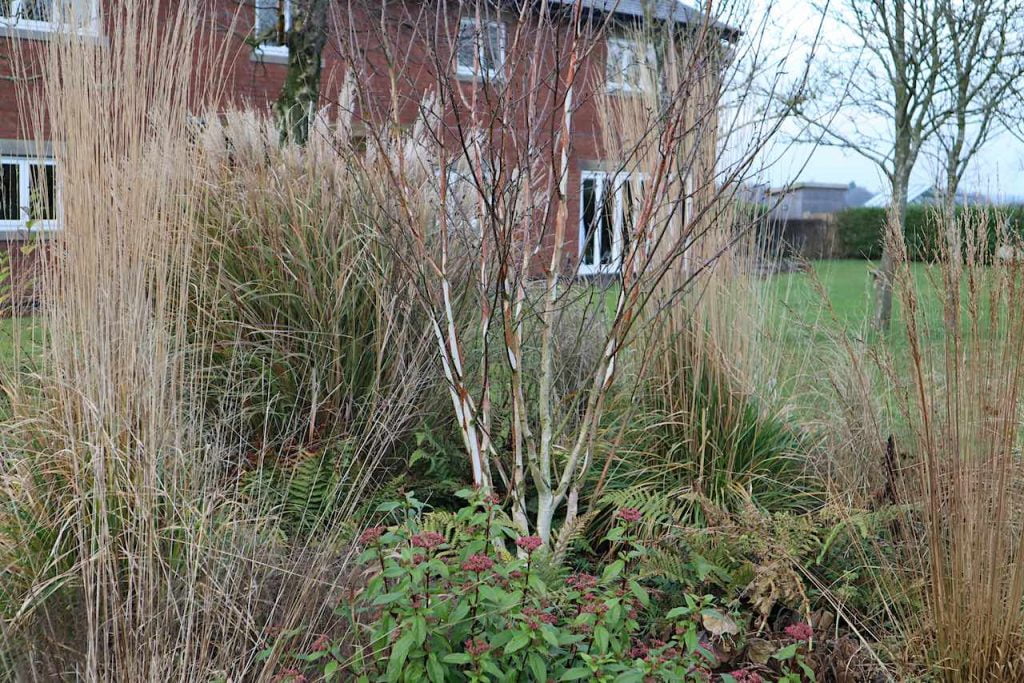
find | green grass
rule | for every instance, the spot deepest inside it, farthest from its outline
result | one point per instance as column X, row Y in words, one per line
column 20, row 339
column 848, row 303
column 812, row 315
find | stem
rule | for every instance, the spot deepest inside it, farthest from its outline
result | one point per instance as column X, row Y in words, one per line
column 526, row 579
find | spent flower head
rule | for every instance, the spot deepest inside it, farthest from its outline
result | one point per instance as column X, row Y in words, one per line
column 371, row 535
column 799, row 631
column 529, row 543
column 427, row 540
column 629, row 515
column 477, row 563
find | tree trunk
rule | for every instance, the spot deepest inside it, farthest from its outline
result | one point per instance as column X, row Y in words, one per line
column 884, row 275
column 300, row 95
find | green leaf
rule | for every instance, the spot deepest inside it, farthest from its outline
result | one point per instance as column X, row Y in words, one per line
column 460, row 612
column 492, row 668
column 457, row 658
column 690, row 639
column 419, row 629
column 330, row 669
column 630, row 677
column 399, row 653
column 537, row 667
column 601, row 639
column 787, row 652
column 639, row 592
column 677, row 612
column 388, row 598
column 576, row 674
column 612, row 571
column 434, row 669
column 518, row 642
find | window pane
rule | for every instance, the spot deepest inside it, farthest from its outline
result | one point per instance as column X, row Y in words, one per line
column 9, row 209
column 42, row 192
column 271, row 22
column 466, row 53
column 607, row 222
column 75, row 12
column 37, row 10
column 493, row 56
column 588, row 222
column 613, row 66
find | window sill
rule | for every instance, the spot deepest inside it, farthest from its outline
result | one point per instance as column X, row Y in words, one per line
column 269, row 55
column 626, row 90
column 470, row 77
column 14, row 231
column 609, row 270
column 39, row 30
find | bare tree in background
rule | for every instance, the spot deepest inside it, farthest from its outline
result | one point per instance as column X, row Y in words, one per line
column 985, row 62
column 894, row 72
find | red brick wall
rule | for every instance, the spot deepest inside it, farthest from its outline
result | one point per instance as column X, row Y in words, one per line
column 254, row 83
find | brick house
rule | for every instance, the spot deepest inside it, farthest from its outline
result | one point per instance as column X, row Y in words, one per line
column 256, row 33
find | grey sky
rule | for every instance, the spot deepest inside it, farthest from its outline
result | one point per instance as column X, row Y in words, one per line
column 998, row 171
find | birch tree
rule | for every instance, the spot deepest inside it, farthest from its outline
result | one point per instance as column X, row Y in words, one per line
column 475, row 117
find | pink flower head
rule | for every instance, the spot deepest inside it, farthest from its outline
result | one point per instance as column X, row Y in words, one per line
column 540, row 616
column 746, row 676
column 371, row 535
column 629, row 515
column 476, row 647
column 639, row 651
column 492, row 498
column 477, row 563
column 321, row 643
column 427, row 540
column 799, row 631
column 581, row 582
column 529, row 543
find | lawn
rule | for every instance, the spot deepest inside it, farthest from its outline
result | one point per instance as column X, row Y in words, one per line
column 19, row 338
column 839, row 295
column 811, row 315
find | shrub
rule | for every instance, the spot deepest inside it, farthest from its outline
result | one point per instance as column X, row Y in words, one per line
column 861, row 229
column 449, row 607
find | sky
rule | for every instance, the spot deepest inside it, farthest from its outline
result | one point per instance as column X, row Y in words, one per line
column 998, row 170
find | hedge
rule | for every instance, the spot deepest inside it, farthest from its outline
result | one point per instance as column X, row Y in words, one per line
column 860, row 230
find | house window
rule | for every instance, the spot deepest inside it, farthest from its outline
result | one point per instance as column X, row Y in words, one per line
column 46, row 15
column 607, row 207
column 273, row 21
column 481, row 49
column 629, row 66
column 28, row 192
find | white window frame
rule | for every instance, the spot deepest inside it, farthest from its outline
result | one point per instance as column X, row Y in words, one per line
column 13, row 20
column 272, row 50
column 24, row 165
column 480, row 31
column 621, row 52
column 603, row 181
